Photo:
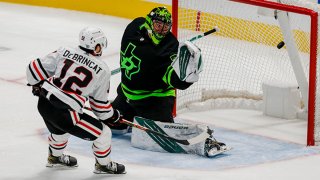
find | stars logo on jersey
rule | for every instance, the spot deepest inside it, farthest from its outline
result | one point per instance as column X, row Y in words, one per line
column 130, row 62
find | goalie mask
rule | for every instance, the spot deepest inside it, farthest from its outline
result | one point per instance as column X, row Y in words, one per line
column 158, row 24
column 90, row 38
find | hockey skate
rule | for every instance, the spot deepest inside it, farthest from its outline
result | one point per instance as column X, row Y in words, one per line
column 111, row 168
column 62, row 161
column 213, row 147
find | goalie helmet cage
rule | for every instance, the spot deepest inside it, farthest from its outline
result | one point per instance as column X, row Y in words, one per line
column 244, row 53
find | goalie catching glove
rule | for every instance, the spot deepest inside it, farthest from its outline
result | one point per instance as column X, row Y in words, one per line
column 188, row 63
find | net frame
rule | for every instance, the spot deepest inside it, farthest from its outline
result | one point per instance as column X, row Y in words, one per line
column 312, row 119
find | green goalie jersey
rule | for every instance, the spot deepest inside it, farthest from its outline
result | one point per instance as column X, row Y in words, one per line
column 145, row 67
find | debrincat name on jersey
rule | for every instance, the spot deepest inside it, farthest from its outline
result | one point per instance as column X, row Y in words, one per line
column 82, row 59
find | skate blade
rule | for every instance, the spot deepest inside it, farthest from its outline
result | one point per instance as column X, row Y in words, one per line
column 103, row 172
column 220, row 152
column 48, row 165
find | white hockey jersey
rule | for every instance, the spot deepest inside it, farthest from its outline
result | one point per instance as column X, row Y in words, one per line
column 74, row 77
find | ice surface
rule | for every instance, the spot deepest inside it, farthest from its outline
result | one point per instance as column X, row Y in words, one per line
column 264, row 148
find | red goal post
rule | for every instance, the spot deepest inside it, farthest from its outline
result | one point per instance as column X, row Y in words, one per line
column 190, row 18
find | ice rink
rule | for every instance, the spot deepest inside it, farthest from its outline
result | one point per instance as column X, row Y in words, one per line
column 265, row 148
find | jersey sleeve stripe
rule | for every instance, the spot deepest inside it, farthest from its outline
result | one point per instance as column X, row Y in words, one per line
column 100, row 111
column 105, row 106
column 98, row 101
column 34, row 65
column 37, row 70
column 31, row 71
column 43, row 70
column 102, row 114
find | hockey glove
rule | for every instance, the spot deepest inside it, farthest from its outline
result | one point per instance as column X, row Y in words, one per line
column 114, row 120
column 188, row 63
column 36, row 88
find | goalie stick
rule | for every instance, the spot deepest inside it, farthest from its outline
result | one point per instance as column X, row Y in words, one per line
column 115, row 71
column 191, row 141
column 215, row 29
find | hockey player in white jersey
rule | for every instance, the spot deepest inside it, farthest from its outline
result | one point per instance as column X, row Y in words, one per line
column 64, row 80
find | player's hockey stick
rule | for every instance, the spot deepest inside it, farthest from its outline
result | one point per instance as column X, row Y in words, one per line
column 215, row 29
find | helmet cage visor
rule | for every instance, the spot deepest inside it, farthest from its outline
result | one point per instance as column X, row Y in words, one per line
column 161, row 28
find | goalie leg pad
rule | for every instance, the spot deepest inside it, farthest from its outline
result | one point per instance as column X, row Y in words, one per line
column 147, row 141
column 189, row 62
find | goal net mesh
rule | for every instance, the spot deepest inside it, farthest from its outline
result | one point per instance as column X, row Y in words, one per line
column 243, row 54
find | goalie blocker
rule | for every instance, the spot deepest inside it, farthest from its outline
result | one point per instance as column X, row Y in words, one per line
column 204, row 144
column 188, row 63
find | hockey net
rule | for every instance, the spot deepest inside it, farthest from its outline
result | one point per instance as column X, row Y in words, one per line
column 244, row 53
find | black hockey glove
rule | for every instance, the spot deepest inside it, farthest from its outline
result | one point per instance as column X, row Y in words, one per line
column 114, row 120
column 36, row 88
